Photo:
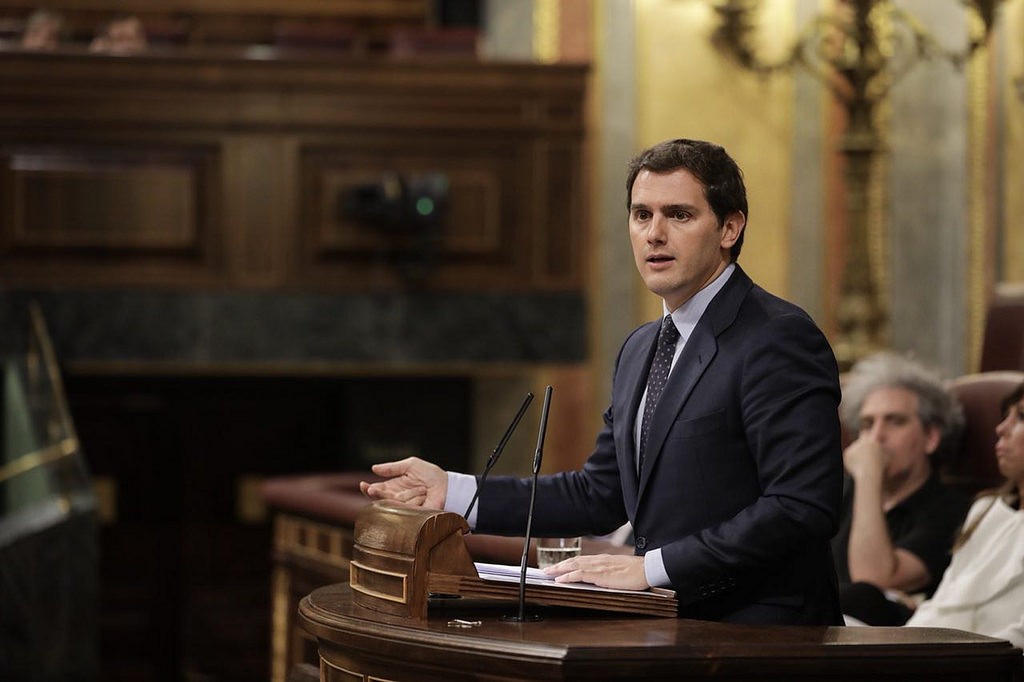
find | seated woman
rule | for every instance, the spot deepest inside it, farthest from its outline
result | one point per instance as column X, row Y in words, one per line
column 982, row 591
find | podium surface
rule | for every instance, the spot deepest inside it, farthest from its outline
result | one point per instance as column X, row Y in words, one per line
column 574, row 644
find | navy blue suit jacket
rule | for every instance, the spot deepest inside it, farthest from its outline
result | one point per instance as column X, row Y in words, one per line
column 742, row 481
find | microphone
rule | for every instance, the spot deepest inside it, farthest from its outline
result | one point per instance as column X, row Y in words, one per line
column 498, row 450
column 522, row 617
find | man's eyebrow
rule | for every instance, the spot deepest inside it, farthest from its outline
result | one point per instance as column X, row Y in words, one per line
column 671, row 208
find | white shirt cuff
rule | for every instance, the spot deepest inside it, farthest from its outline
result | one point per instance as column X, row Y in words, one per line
column 654, row 569
column 461, row 488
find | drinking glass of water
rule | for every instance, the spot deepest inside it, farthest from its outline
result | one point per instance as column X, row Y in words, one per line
column 552, row 550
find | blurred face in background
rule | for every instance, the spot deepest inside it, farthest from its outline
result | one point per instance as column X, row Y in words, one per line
column 889, row 416
column 42, row 32
column 121, row 36
column 1010, row 445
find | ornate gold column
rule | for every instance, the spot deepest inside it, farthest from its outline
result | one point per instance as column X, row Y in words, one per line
column 859, row 50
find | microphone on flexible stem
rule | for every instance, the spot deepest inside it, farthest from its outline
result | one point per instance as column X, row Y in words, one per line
column 522, row 617
column 487, row 469
column 497, row 451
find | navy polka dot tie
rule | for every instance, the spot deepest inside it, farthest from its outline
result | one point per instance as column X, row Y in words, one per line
column 656, row 379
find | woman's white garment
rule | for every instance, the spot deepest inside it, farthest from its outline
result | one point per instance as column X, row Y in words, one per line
column 982, row 590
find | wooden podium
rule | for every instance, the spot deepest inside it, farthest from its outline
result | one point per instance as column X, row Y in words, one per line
column 386, row 626
column 402, row 555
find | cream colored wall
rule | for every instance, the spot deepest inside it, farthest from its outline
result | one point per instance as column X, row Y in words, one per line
column 1010, row 258
column 685, row 88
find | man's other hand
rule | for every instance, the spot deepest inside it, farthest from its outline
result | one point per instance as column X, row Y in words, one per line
column 618, row 571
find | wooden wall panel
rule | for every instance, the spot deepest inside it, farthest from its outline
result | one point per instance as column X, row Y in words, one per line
column 563, row 248
column 208, row 168
column 109, row 208
column 64, row 201
column 477, row 240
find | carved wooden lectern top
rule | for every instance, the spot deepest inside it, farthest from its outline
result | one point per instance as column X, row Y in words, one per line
column 403, row 554
column 396, row 548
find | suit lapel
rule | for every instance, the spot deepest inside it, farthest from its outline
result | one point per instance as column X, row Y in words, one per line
column 696, row 356
column 634, row 381
column 699, row 351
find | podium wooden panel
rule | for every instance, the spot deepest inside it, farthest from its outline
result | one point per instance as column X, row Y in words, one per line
column 356, row 644
column 385, row 624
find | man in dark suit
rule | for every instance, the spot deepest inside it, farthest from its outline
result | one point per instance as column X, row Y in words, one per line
column 722, row 442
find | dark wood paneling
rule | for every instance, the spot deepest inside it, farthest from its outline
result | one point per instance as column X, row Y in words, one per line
column 89, row 198
column 216, row 169
column 78, row 214
column 184, row 581
column 476, row 242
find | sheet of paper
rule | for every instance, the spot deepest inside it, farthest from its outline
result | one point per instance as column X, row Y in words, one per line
column 499, row 571
column 535, row 576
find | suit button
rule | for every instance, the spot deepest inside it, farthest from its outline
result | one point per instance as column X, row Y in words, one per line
column 641, row 542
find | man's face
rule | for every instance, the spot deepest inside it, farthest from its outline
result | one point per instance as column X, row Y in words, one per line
column 889, row 417
column 677, row 242
column 1010, row 445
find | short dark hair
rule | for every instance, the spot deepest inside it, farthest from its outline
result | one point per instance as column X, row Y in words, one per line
column 710, row 164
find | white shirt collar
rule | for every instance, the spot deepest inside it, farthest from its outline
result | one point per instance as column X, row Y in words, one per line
column 686, row 316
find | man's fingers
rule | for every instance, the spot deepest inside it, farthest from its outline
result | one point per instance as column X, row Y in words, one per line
column 411, row 494
column 562, row 567
column 603, row 570
column 381, row 489
column 571, row 577
column 410, row 480
column 390, row 469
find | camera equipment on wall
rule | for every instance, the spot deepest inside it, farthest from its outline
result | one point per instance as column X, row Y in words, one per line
column 409, row 210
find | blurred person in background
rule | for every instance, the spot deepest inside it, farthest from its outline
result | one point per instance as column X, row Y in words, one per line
column 982, row 591
column 122, row 34
column 898, row 519
column 44, row 30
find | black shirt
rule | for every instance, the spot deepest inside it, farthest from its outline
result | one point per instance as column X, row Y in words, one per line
column 923, row 524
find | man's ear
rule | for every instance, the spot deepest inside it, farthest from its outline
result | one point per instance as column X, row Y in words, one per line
column 732, row 228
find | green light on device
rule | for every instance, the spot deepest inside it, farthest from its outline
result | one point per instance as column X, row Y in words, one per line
column 425, row 206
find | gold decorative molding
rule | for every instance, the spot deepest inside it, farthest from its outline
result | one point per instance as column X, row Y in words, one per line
column 878, row 219
column 324, row 544
column 105, row 488
column 859, row 50
column 546, row 30
column 380, row 576
column 280, row 617
column 249, row 504
column 339, row 674
column 977, row 198
column 38, row 458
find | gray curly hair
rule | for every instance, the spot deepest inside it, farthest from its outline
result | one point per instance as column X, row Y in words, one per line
column 936, row 407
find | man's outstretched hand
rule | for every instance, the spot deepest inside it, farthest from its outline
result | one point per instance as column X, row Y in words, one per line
column 411, row 480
